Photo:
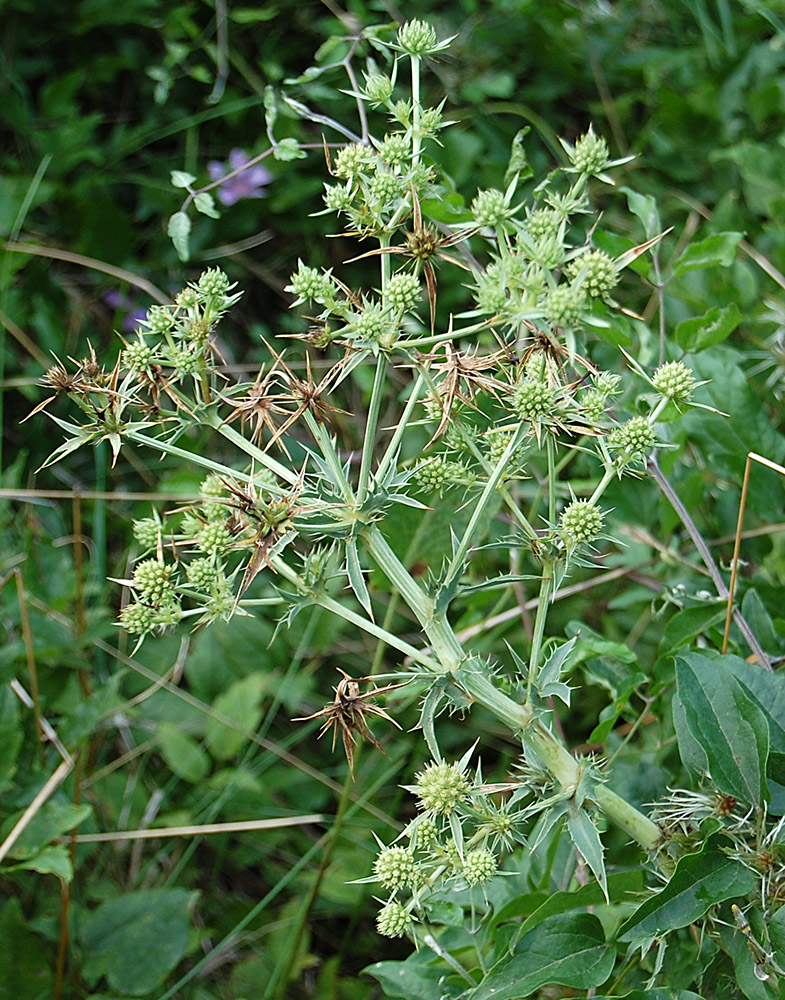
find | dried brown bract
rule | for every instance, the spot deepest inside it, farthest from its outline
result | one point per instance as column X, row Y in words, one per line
column 347, row 712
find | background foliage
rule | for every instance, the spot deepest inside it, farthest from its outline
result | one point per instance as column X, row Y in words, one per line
column 100, row 102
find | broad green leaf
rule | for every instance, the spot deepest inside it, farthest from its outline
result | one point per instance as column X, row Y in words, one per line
column 204, row 203
column 711, row 328
column 537, row 906
column 26, row 965
column 730, row 728
column 660, row 993
column 407, row 979
column 181, row 179
column 178, row 230
column 568, row 949
column 718, row 250
column 688, row 623
column 52, row 860
column 240, row 703
column 691, row 752
column 699, row 882
column 52, row 819
column 183, row 755
column 137, row 939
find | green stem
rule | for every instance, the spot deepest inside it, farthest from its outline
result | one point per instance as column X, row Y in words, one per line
column 456, row 564
column 377, row 631
column 416, row 110
column 543, row 606
column 371, row 424
column 250, row 449
column 392, row 448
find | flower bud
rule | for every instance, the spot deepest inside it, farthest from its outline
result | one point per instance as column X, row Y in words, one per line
column 392, row 920
column 417, row 38
column 479, row 866
column 441, row 787
column 675, row 381
column 395, row 868
column 580, row 522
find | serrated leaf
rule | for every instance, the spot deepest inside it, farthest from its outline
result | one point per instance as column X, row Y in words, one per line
column 568, row 949
column 552, row 669
column 586, row 837
column 183, row 755
column 205, row 203
column 718, row 250
column 181, row 179
column 355, row 574
column 711, row 328
column 730, row 728
column 179, row 230
column 699, row 882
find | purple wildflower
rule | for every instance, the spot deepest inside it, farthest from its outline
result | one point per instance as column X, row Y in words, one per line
column 249, row 183
column 123, row 304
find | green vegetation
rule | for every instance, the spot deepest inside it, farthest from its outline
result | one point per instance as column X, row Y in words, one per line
column 369, row 543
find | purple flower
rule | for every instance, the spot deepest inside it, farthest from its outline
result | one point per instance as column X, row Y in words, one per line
column 123, row 304
column 249, row 183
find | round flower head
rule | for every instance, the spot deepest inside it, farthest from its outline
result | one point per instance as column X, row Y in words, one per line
column 580, row 522
column 395, row 149
column 139, row 357
column 146, row 532
column 138, row 619
column 153, row 582
column 599, row 273
column 489, row 207
column 674, row 380
column 214, row 282
column 441, row 787
column 425, row 835
column 417, row 38
column 354, row 160
column 378, row 87
column 403, row 291
column 636, row 436
column 392, row 920
column 310, row 283
column 479, row 866
column 395, row 868
column 533, row 400
column 214, row 537
column 543, row 222
column 589, row 155
column 564, row 305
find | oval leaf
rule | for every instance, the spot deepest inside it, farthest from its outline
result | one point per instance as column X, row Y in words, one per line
column 711, row 328
column 730, row 728
column 699, row 882
column 179, row 229
column 568, row 949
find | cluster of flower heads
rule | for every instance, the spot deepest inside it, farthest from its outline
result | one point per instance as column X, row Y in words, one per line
column 202, row 565
column 453, row 843
column 177, row 337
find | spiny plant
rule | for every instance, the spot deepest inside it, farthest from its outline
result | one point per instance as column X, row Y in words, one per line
column 507, row 420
